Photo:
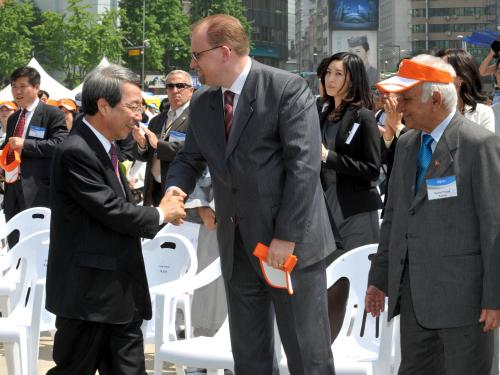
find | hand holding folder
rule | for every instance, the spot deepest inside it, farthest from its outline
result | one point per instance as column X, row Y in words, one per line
column 277, row 278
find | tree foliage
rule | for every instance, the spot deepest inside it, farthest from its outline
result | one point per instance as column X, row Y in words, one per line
column 166, row 32
column 15, row 43
column 235, row 8
column 75, row 42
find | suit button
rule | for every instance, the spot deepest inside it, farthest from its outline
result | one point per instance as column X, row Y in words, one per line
column 411, row 211
column 234, row 190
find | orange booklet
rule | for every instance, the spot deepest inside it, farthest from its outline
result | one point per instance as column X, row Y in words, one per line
column 277, row 278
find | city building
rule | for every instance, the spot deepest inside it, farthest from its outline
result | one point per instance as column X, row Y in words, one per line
column 270, row 30
column 394, row 34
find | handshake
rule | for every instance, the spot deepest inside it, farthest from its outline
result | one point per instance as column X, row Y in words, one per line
column 172, row 206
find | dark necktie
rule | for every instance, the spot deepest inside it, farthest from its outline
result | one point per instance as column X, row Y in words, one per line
column 113, row 154
column 228, row 111
column 424, row 159
column 18, row 132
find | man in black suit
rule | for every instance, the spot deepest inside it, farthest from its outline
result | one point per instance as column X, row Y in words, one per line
column 96, row 280
column 257, row 128
column 34, row 131
column 165, row 136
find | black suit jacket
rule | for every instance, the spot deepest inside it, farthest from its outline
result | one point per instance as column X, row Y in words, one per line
column 36, row 156
column 356, row 164
column 266, row 174
column 166, row 151
column 95, row 267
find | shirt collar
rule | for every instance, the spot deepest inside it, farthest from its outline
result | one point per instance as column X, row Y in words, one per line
column 32, row 106
column 105, row 143
column 179, row 110
column 238, row 83
column 439, row 130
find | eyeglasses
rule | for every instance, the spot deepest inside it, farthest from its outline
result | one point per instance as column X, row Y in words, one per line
column 179, row 86
column 134, row 107
column 196, row 55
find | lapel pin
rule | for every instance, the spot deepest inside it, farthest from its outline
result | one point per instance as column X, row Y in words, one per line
column 437, row 163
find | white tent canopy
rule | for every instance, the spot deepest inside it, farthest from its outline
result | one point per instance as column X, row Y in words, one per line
column 47, row 83
column 77, row 89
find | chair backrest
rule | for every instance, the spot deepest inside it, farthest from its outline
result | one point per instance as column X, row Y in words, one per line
column 29, row 221
column 187, row 229
column 32, row 253
column 166, row 296
column 168, row 257
column 358, row 328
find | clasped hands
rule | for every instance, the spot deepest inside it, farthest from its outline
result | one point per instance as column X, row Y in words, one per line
column 172, row 206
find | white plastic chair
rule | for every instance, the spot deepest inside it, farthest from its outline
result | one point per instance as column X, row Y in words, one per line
column 168, row 257
column 212, row 353
column 21, row 329
column 363, row 345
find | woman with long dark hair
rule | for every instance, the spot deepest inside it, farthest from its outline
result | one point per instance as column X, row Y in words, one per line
column 471, row 99
column 351, row 163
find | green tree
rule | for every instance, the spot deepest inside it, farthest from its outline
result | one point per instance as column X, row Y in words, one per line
column 15, row 43
column 75, row 42
column 166, row 32
column 235, row 8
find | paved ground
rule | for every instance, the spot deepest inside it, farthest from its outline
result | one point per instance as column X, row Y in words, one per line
column 45, row 358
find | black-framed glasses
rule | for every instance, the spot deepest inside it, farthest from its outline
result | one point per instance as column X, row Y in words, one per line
column 196, row 55
column 179, row 86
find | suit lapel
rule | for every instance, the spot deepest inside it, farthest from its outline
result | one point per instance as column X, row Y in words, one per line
column 409, row 162
column 216, row 130
column 104, row 158
column 36, row 119
column 179, row 121
column 244, row 109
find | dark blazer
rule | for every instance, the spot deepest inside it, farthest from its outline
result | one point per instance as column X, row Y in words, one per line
column 357, row 164
column 36, row 156
column 166, row 151
column 448, row 243
column 266, row 175
column 95, row 268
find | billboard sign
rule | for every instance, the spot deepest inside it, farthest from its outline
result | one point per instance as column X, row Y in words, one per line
column 353, row 14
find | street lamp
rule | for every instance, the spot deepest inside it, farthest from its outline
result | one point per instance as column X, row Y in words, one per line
column 143, row 41
column 462, row 42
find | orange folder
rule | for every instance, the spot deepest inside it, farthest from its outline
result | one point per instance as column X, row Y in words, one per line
column 276, row 278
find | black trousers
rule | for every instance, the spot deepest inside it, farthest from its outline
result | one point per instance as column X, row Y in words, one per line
column 82, row 347
column 449, row 351
column 13, row 203
column 302, row 319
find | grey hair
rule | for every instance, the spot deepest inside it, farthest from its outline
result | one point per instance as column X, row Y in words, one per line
column 105, row 82
column 186, row 75
column 447, row 90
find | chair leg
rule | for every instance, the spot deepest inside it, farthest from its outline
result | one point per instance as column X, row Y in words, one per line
column 215, row 372
column 179, row 370
column 12, row 358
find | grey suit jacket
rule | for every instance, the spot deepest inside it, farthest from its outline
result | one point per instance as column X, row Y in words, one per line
column 448, row 243
column 266, row 175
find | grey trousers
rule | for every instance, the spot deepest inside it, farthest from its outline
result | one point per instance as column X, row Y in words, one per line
column 450, row 351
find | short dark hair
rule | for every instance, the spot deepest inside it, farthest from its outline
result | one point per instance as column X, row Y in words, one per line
column 42, row 93
column 359, row 93
column 105, row 82
column 471, row 89
column 26, row 71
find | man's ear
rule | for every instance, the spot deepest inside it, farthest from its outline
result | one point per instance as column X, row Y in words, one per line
column 437, row 99
column 102, row 106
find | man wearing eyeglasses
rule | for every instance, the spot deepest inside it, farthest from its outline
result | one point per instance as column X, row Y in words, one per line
column 257, row 128
column 165, row 136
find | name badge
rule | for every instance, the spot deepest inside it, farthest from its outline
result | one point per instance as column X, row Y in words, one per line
column 353, row 131
column 442, row 187
column 174, row 136
column 36, row 131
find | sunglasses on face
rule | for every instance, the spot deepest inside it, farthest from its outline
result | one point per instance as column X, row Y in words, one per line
column 179, row 86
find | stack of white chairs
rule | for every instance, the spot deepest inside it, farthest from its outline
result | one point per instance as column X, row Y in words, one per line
column 20, row 331
column 168, row 257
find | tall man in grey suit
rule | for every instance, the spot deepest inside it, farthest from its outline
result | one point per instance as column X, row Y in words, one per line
column 257, row 129
column 437, row 260
column 165, row 136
